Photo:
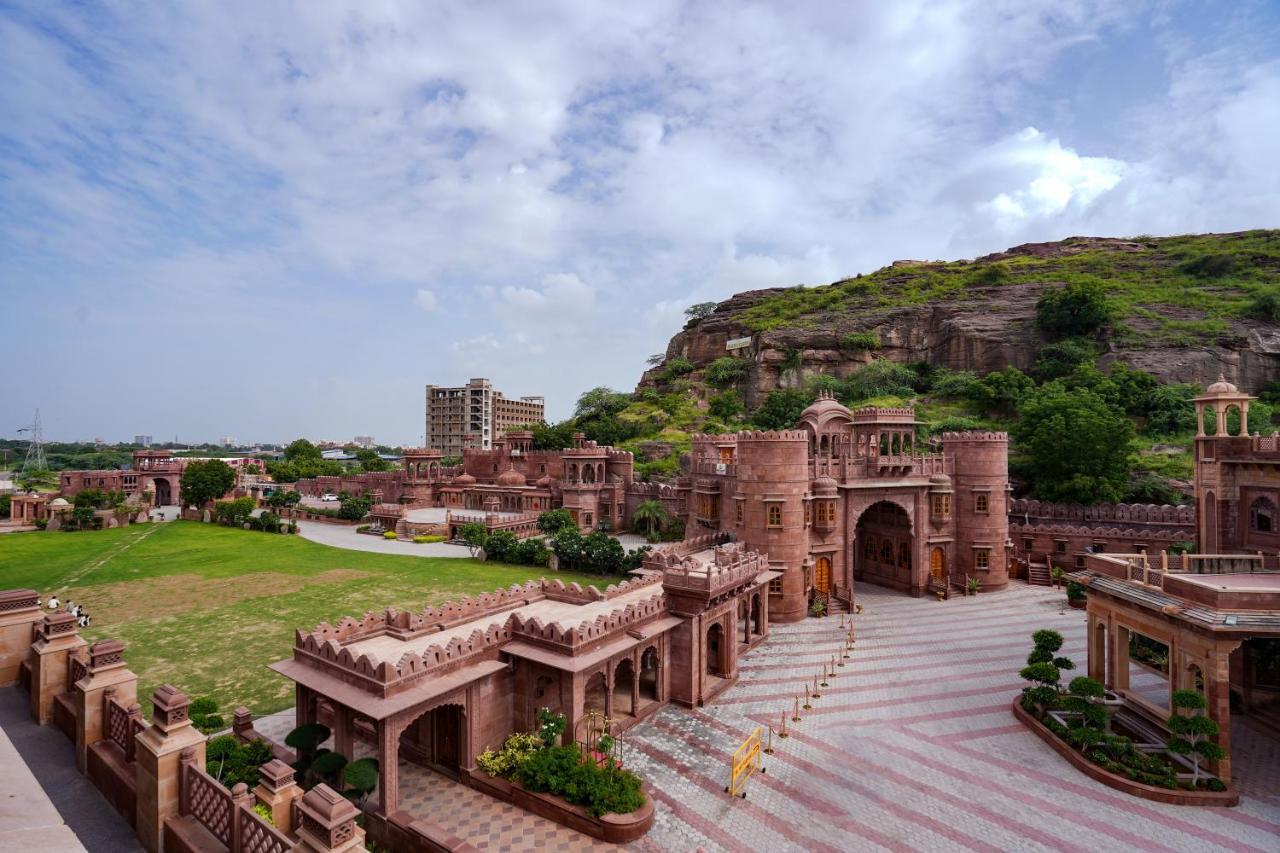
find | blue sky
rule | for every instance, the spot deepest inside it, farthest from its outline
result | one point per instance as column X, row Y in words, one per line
column 267, row 220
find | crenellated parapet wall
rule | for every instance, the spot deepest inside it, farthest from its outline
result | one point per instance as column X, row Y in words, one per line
column 1183, row 515
column 571, row 639
column 974, row 436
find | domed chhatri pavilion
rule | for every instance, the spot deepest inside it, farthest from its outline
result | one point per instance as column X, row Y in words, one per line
column 850, row 495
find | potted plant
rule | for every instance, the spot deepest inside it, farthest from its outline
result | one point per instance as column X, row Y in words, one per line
column 818, row 607
column 1056, row 574
column 1075, row 595
column 972, row 585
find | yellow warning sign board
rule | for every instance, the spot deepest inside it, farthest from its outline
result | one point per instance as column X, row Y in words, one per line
column 746, row 761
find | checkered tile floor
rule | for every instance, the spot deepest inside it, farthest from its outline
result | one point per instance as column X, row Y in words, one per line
column 913, row 747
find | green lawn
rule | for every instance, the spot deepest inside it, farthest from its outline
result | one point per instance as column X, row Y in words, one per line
column 206, row 608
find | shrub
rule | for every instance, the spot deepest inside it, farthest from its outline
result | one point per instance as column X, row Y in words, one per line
column 726, row 371
column 552, row 522
column 860, row 341
column 563, row 772
column 514, row 755
column 1075, row 591
column 675, row 368
column 501, row 546
column 880, row 378
column 353, row 509
column 1192, row 733
column 390, row 534
column 1210, row 266
column 427, row 540
column 231, row 762
column 551, row 725
column 782, row 408
column 1077, row 308
column 203, row 713
column 726, row 405
column 364, row 528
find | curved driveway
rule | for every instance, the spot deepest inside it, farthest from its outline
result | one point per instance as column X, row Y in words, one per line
column 340, row 536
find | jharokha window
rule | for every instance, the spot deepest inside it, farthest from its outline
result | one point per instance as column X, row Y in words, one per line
column 980, row 502
column 982, row 559
column 807, row 511
column 1262, row 515
column 775, row 516
column 942, row 505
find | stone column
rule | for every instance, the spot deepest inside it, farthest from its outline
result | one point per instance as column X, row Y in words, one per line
column 51, row 653
column 108, row 680
column 277, row 790
column 160, row 751
column 328, row 823
column 388, row 767
column 343, row 735
column 1217, row 692
column 19, row 614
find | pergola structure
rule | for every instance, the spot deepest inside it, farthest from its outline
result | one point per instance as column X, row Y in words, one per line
column 1211, row 613
column 440, row 686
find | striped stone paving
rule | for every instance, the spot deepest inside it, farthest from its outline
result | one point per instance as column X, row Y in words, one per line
column 913, row 747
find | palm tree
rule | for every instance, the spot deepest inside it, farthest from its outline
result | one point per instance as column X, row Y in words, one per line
column 651, row 515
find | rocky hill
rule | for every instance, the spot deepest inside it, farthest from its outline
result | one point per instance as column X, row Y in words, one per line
column 1184, row 310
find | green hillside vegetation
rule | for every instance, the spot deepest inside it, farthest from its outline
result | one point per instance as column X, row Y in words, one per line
column 1078, row 433
column 1170, row 289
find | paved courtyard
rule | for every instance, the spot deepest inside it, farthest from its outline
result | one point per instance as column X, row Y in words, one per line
column 913, row 747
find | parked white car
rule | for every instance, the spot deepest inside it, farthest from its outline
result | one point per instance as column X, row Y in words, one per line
column 328, row 496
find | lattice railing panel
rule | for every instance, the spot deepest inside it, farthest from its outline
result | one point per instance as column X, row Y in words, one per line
column 119, row 727
column 209, row 803
column 258, row 836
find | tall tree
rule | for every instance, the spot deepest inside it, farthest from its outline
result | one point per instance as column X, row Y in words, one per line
column 1074, row 447
column 206, row 481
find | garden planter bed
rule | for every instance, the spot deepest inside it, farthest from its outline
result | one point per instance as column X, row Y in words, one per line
column 610, row 828
column 1173, row 796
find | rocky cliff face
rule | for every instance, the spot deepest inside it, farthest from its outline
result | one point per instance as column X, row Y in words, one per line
column 986, row 326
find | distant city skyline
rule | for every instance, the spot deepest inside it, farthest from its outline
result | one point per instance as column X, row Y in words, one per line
column 367, row 200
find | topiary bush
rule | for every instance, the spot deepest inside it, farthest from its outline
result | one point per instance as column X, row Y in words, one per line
column 390, row 534
column 427, row 540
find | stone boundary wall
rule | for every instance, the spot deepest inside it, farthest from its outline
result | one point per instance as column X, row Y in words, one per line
column 153, row 772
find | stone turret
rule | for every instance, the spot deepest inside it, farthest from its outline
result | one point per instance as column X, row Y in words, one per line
column 773, row 477
column 980, row 505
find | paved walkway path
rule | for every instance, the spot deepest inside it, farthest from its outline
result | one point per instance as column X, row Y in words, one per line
column 45, row 804
column 913, row 747
column 342, row 536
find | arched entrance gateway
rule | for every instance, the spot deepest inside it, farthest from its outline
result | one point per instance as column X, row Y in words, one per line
column 435, row 740
column 164, row 492
column 883, row 545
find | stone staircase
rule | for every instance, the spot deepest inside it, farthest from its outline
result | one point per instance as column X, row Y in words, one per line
column 1038, row 574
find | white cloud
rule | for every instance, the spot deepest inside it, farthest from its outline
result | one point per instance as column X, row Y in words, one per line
column 555, row 184
column 426, row 300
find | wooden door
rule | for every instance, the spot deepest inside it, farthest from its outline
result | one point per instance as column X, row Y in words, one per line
column 446, row 729
column 822, row 575
column 938, row 565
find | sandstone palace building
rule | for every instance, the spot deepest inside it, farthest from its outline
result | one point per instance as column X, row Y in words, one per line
column 474, row 415
column 851, row 496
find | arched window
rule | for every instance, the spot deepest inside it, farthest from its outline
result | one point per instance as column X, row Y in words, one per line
column 869, row 547
column 886, row 552
column 775, row 516
column 823, row 447
column 904, row 556
column 1262, row 515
